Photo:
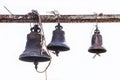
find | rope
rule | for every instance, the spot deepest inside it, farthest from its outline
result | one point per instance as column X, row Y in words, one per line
column 44, row 69
column 43, row 44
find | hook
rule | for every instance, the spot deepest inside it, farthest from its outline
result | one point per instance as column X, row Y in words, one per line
column 57, row 15
column 96, row 15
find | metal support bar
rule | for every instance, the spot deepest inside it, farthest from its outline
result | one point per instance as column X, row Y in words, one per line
column 29, row 18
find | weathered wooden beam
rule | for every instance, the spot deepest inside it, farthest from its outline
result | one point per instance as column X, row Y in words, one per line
column 29, row 18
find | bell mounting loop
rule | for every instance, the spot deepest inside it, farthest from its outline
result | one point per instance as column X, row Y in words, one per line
column 58, row 26
column 35, row 29
column 97, row 30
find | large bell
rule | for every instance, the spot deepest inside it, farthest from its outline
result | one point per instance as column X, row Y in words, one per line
column 96, row 43
column 58, row 40
column 33, row 50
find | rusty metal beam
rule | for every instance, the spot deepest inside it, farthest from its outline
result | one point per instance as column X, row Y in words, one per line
column 29, row 18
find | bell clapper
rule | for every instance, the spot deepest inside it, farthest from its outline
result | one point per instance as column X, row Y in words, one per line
column 96, row 54
column 36, row 64
column 57, row 52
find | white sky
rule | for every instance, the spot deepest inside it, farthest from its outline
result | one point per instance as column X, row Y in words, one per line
column 74, row 64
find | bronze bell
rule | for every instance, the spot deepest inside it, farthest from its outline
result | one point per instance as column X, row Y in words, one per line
column 33, row 50
column 58, row 40
column 96, row 43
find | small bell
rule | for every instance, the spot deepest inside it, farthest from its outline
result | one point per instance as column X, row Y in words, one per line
column 96, row 43
column 33, row 50
column 58, row 43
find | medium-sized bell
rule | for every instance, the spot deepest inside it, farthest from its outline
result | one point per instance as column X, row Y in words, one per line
column 96, row 43
column 33, row 50
column 58, row 40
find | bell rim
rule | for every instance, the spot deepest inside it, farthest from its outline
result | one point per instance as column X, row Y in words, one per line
column 32, row 55
column 97, row 50
column 58, row 46
column 32, row 59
